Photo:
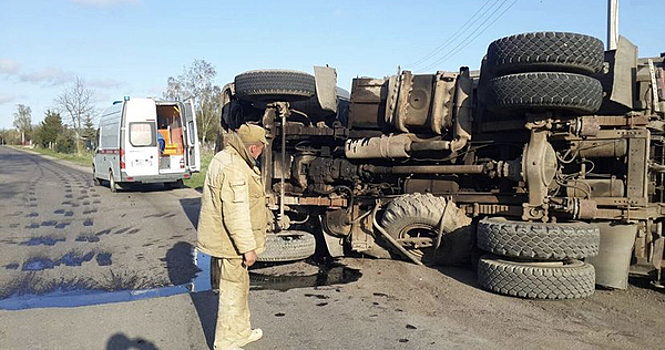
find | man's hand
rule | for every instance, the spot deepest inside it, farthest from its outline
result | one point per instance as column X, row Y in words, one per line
column 249, row 258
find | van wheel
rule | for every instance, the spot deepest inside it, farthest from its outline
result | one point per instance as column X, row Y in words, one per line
column 112, row 185
column 289, row 245
column 95, row 179
column 569, row 279
column 265, row 86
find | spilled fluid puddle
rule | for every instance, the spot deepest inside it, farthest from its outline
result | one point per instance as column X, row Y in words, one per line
column 322, row 275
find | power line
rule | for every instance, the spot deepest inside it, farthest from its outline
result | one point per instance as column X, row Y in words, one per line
column 468, row 41
column 453, row 36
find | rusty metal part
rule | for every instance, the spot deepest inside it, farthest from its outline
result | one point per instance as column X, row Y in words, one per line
column 392, row 241
column 385, row 147
column 585, row 126
column 580, row 188
column 538, row 169
column 425, row 169
column 429, row 146
column 299, row 169
column 463, row 118
column 581, row 208
column 433, row 186
column 337, row 222
column 600, row 148
column 420, row 102
column 441, row 116
column 316, row 201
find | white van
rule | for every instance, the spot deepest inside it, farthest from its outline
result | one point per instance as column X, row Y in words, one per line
column 128, row 150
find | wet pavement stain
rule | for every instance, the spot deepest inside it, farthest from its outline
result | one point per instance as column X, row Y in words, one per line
column 280, row 314
column 90, row 211
column 63, row 225
column 44, row 240
column 103, row 232
column 75, row 259
column 87, row 238
column 88, row 222
column 34, row 225
column 12, row 266
column 327, row 275
column 49, row 223
column 32, row 215
column 104, row 259
column 69, row 213
column 59, row 211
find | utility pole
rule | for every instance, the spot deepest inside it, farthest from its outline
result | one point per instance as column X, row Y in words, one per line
column 612, row 24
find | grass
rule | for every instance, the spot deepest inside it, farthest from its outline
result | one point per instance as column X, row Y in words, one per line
column 196, row 181
column 84, row 159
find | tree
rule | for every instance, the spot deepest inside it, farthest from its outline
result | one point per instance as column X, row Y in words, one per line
column 50, row 128
column 77, row 102
column 23, row 120
column 89, row 133
column 197, row 81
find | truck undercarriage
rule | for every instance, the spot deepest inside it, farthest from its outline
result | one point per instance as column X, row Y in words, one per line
column 549, row 161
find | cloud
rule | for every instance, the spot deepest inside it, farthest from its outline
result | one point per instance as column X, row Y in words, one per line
column 4, row 99
column 105, row 83
column 49, row 76
column 8, row 66
column 102, row 3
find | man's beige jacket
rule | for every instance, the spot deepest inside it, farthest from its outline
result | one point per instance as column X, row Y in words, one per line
column 234, row 215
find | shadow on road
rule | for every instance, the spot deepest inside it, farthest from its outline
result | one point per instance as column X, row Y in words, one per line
column 120, row 342
column 180, row 263
column 191, row 207
column 206, row 308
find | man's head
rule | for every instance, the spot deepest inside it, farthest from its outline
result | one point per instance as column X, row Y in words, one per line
column 254, row 138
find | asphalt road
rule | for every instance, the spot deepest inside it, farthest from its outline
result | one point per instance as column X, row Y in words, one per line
column 381, row 304
column 59, row 232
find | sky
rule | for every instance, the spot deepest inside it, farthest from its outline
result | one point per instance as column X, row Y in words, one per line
column 130, row 47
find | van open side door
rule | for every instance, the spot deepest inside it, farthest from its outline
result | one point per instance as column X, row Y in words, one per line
column 193, row 157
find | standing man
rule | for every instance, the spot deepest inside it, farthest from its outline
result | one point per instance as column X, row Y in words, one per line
column 232, row 227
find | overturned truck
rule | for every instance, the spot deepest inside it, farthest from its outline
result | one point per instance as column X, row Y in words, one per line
column 546, row 168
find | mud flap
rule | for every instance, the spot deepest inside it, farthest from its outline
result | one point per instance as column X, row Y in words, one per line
column 334, row 245
column 326, row 87
column 613, row 260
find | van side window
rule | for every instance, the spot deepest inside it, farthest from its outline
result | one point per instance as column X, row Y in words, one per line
column 142, row 134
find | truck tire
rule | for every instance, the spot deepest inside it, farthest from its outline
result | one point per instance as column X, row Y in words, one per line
column 543, row 91
column 537, row 240
column 571, row 280
column 418, row 216
column 288, row 246
column 546, row 51
column 265, row 86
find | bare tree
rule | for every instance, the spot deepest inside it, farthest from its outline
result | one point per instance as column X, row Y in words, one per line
column 77, row 102
column 197, row 81
column 23, row 120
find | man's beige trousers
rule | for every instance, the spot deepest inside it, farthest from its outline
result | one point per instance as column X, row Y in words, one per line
column 233, row 315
